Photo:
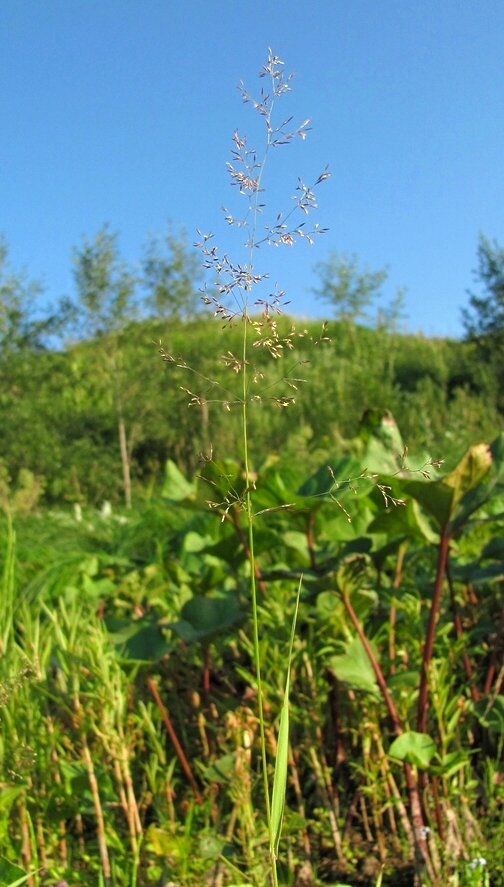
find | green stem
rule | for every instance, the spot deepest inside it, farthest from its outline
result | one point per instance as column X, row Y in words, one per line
column 255, row 615
column 250, row 527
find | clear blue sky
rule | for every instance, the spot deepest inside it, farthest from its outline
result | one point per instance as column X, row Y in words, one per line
column 122, row 111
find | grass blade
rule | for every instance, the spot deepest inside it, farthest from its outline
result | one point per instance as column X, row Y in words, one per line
column 280, row 778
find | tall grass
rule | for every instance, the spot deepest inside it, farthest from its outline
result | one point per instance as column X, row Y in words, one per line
column 236, row 283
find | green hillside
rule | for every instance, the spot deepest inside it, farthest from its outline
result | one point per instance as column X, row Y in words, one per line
column 59, row 416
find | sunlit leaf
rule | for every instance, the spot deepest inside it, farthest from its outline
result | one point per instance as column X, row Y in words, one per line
column 282, row 758
column 416, row 748
column 354, row 668
column 176, row 488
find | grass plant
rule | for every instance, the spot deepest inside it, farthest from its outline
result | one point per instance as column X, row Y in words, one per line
column 156, row 663
column 236, row 302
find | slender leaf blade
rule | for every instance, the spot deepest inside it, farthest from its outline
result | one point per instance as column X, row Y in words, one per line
column 282, row 759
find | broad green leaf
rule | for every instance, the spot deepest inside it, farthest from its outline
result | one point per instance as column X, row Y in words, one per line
column 325, row 481
column 381, row 425
column 294, row 822
column 416, row 748
column 328, row 605
column 202, row 616
column 141, row 640
column 176, row 488
column 272, row 494
column 210, row 846
column 9, row 794
column 221, row 771
column 297, row 541
column 220, row 482
column 477, row 575
column 451, row 500
column 354, row 668
column 282, row 758
column 494, row 549
column 470, row 470
column 404, row 520
column 148, row 644
column 11, row 875
column 195, row 542
column 344, row 529
column 403, row 680
column 435, row 497
column 490, row 486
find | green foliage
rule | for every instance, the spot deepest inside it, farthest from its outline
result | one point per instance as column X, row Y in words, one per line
column 348, row 290
column 417, row 748
column 11, row 875
column 487, row 318
column 169, row 274
column 353, row 668
column 155, row 663
column 484, row 321
column 59, row 420
column 99, row 605
column 19, row 326
column 104, row 286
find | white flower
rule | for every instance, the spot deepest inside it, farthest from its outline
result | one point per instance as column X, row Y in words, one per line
column 476, row 862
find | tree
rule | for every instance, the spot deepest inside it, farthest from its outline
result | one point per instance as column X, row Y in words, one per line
column 20, row 327
column 487, row 316
column 106, row 304
column 349, row 290
column 170, row 274
column 484, row 321
column 105, row 287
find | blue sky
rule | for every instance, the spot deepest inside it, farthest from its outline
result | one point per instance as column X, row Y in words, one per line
column 122, row 111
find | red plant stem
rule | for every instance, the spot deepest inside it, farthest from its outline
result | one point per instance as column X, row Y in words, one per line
column 431, row 631
column 411, row 783
column 352, row 810
column 437, row 808
column 176, row 744
column 492, row 668
column 374, row 664
column 310, row 541
column 489, row 678
column 206, row 695
column 235, row 520
column 206, row 675
column 459, row 631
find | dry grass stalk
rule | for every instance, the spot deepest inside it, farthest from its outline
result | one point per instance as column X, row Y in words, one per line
column 100, row 824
